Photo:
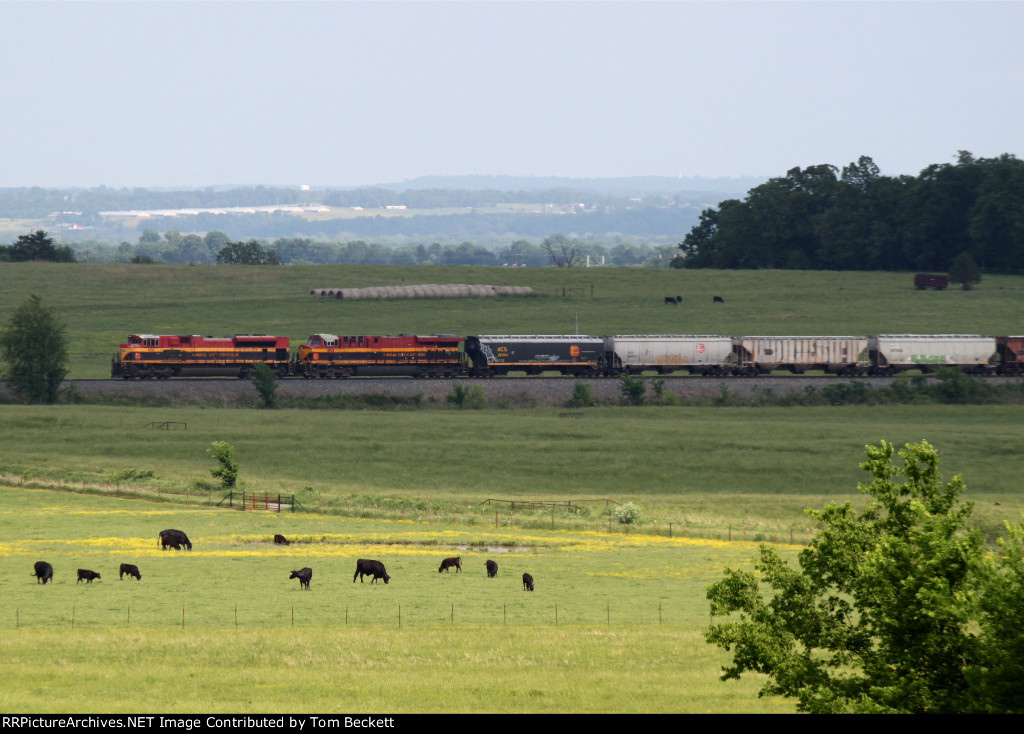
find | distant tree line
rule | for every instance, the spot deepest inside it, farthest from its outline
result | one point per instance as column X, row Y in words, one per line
column 217, row 248
column 813, row 218
column 657, row 222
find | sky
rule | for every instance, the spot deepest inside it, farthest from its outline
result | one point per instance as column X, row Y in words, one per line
column 331, row 93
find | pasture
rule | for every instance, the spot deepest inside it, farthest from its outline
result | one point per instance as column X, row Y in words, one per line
column 704, row 470
column 613, row 625
column 104, row 303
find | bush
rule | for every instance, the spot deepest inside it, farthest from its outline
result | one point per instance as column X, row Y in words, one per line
column 632, row 389
column 463, row 397
column 265, row 382
column 582, row 396
column 626, row 514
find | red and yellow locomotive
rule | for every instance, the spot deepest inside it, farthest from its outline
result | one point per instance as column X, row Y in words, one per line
column 153, row 356
column 333, row 356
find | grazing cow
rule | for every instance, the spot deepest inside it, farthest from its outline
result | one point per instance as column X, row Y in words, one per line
column 447, row 563
column 43, row 572
column 527, row 582
column 132, row 571
column 281, row 540
column 670, row 299
column 717, row 299
column 303, row 575
column 175, row 539
column 370, row 568
column 492, row 569
column 86, row 575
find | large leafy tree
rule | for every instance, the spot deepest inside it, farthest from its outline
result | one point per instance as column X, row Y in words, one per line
column 35, row 352
column 247, row 253
column 896, row 608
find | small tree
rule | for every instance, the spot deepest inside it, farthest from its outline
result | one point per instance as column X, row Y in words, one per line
column 964, row 271
column 894, row 609
column 265, row 382
column 35, row 351
column 227, row 467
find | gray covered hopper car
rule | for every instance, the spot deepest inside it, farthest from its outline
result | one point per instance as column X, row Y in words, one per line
column 666, row 353
column 891, row 353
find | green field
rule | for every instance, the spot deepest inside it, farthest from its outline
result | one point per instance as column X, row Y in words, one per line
column 104, row 303
column 752, row 469
column 409, row 488
column 613, row 625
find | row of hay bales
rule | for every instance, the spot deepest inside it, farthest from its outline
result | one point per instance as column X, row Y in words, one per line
column 430, row 290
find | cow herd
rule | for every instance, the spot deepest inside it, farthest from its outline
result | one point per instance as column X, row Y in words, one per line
column 178, row 540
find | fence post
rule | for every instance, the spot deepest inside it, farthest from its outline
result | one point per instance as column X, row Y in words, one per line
column 556, row 615
column 399, row 616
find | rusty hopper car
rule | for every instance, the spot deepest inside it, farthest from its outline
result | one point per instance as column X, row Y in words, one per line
column 1011, row 355
column 892, row 353
column 843, row 355
column 582, row 356
column 666, row 353
column 152, row 356
column 334, row 356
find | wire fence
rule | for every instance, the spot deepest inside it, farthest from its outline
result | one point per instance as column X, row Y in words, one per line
column 166, row 616
column 520, row 514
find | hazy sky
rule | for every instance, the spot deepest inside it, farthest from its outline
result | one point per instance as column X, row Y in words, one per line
column 355, row 93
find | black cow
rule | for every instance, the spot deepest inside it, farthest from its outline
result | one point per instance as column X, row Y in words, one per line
column 303, row 575
column 527, row 582
column 492, row 569
column 281, row 540
column 448, row 563
column 86, row 575
column 370, row 568
column 175, row 539
column 132, row 571
column 670, row 299
column 43, row 572
column 717, row 299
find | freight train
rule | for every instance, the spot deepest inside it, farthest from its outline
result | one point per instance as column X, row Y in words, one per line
column 325, row 356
